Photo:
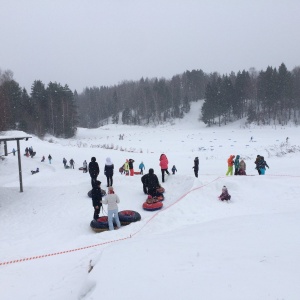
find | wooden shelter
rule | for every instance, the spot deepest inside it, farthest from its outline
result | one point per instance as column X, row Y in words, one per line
column 5, row 140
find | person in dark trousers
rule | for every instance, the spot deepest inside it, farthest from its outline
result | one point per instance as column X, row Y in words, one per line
column 64, row 162
column 163, row 163
column 97, row 198
column 14, row 151
column 109, row 171
column 141, row 167
column 237, row 165
column 72, row 163
column 93, row 170
column 196, row 166
column 150, row 183
column 174, row 170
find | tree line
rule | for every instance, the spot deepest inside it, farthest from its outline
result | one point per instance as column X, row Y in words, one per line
column 50, row 109
column 268, row 97
column 265, row 97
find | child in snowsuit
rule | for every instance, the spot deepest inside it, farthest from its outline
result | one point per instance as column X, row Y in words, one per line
column 174, row 170
column 230, row 163
column 225, row 195
column 141, row 167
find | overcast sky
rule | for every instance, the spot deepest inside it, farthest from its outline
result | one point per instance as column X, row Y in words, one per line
column 98, row 42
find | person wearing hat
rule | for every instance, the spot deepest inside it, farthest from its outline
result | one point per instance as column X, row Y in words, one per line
column 97, row 198
column 112, row 200
column 230, row 162
column 93, row 170
column 225, row 195
column 196, row 166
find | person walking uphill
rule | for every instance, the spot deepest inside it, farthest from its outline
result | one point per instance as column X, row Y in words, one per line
column 230, row 163
column 112, row 200
column 93, row 170
column 196, row 166
column 97, row 198
column 163, row 162
column 109, row 171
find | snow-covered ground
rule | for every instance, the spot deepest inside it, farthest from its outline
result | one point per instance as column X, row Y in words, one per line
column 196, row 247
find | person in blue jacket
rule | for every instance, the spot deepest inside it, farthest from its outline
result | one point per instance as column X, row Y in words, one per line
column 142, row 167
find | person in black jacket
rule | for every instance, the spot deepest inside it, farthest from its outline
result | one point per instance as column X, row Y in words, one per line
column 196, row 166
column 150, row 183
column 93, row 170
column 97, row 198
column 131, row 170
column 109, row 171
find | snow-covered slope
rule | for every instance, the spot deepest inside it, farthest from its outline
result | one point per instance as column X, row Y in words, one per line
column 196, row 247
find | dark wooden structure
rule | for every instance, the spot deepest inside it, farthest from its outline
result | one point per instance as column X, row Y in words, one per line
column 5, row 140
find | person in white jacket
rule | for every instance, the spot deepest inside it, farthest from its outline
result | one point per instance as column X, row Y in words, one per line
column 112, row 200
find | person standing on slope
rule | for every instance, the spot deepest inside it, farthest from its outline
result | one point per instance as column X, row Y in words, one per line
column 163, row 162
column 196, row 166
column 109, row 171
column 93, row 170
column 230, row 162
column 236, row 165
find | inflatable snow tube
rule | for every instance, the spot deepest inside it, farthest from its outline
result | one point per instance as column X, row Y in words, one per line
column 160, row 190
column 102, row 192
column 101, row 224
column 128, row 216
column 137, row 173
column 152, row 206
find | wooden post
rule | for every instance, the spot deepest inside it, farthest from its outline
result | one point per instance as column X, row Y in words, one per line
column 20, row 168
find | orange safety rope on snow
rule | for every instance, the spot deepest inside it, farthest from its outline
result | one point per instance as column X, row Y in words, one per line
column 122, row 239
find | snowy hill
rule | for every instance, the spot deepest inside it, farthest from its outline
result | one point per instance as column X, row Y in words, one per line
column 196, row 247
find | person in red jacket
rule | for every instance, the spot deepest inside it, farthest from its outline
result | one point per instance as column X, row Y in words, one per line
column 163, row 162
column 230, row 162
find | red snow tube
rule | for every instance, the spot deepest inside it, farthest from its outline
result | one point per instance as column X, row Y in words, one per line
column 101, row 224
column 152, row 206
column 128, row 216
column 137, row 173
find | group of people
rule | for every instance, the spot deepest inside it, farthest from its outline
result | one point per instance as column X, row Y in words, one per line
column 239, row 165
column 71, row 162
column 29, row 152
